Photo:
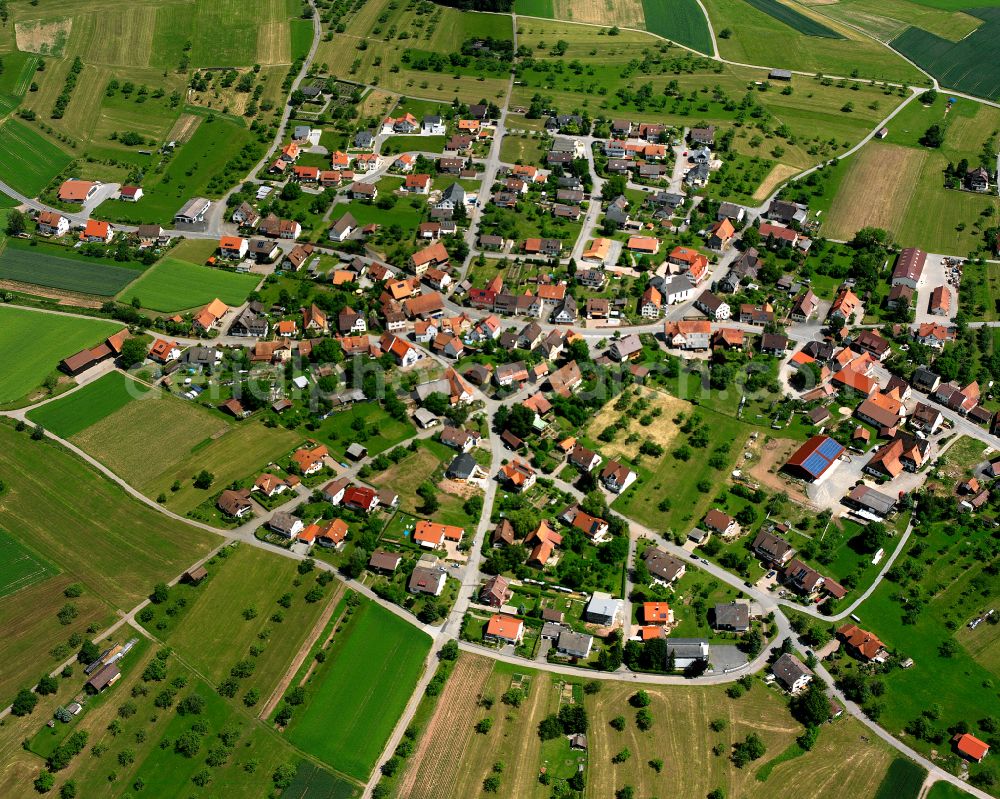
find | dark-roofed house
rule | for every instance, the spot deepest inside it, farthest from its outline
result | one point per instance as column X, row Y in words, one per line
column 383, row 561
column 687, row 652
column 909, row 267
column 791, row 673
column 495, row 591
column 235, row 503
column 106, row 677
column 663, row 566
column 734, row 616
column 425, row 580
column 867, row 499
column 772, row 548
column 574, row 644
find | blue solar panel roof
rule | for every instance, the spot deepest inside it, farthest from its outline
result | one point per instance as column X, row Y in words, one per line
column 829, row 449
column 815, row 464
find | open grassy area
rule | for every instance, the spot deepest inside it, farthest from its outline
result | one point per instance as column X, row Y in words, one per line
column 189, row 438
column 72, row 414
column 173, row 285
column 955, row 587
column 249, row 578
column 381, row 431
column 358, row 693
column 233, row 754
column 52, row 339
column 28, row 161
column 47, row 266
column 903, row 780
column 679, row 20
column 87, row 526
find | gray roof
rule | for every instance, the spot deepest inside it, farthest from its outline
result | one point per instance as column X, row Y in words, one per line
column 688, row 647
column 201, row 356
column 788, row 669
column 602, row 604
column 552, row 629
column 455, row 193
column 575, row 643
column 735, row 615
column 462, row 467
column 282, row 521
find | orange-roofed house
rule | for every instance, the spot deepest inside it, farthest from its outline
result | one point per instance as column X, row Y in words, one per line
column 163, row 351
column 290, row 152
column 694, row 261
column 210, row 315
column 721, row 234
column 286, row 328
column 404, row 354
column 648, row 633
column 598, row 251
column 310, row 461
column 333, row 534
column 77, row 191
column 339, row 160
column 657, row 613
column 505, row 629
column 845, row 305
column 432, row 535
column 98, row 231
column 234, row 247
column 52, row 223
column 970, row 747
column 417, row 184
column 434, row 255
column 468, row 124
column 305, row 174
column 308, row 534
column 862, row 644
column 644, row 245
column 518, row 475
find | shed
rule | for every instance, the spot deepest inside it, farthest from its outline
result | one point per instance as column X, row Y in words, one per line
column 195, row 576
column 356, row 452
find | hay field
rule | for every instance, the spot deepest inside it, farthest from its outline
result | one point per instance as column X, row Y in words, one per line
column 662, row 431
column 429, row 776
column 626, row 13
column 775, row 178
column 866, row 198
column 124, row 38
column 43, row 37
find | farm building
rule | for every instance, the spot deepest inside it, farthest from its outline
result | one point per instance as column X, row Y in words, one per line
column 815, row 459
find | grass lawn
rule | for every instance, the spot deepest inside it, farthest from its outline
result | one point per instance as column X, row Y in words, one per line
column 380, row 432
column 72, row 414
column 945, row 790
column 52, row 339
column 249, row 578
column 173, row 285
column 28, row 160
column 678, row 480
column 358, row 693
column 244, row 768
column 194, row 170
column 20, row 566
column 521, row 149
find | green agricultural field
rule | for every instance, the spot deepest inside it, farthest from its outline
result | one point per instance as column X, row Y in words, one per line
column 117, row 547
column 94, row 533
column 52, row 338
column 903, row 780
column 250, row 578
column 302, row 34
column 958, row 65
column 757, row 37
column 534, row 8
column 794, row 19
column 173, row 285
column 681, row 21
column 18, row 69
column 43, row 267
column 28, row 161
column 232, row 754
column 452, row 759
column 356, row 696
column 20, row 566
column 77, row 411
column 886, row 19
column 188, row 438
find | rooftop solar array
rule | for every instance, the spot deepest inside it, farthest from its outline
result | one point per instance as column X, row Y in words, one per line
column 830, row 449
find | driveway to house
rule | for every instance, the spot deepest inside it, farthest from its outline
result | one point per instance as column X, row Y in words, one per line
column 676, row 185
column 935, row 274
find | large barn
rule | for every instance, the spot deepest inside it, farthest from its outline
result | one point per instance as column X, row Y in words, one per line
column 815, row 459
